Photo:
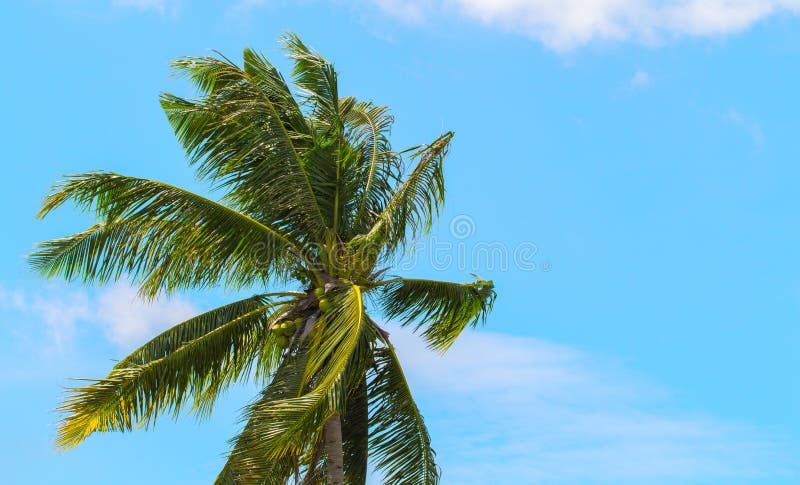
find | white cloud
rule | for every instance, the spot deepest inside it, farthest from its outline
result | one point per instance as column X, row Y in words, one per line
column 752, row 128
column 128, row 320
column 411, row 12
column 162, row 7
column 640, row 79
column 124, row 318
column 567, row 24
column 242, row 8
column 58, row 311
column 506, row 409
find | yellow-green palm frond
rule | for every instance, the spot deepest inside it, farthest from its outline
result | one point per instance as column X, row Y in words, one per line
column 282, row 426
column 195, row 372
column 178, row 335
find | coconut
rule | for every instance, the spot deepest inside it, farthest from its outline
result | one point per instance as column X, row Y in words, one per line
column 283, row 341
column 324, row 305
column 320, row 292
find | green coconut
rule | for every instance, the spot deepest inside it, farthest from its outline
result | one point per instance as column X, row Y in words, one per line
column 324, row 305
column 320, row 292
column 283, row 341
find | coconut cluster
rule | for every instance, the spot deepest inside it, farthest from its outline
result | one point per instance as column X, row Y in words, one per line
column 285, row 330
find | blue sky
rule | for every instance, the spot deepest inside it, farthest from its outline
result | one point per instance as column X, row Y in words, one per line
column 646, row 149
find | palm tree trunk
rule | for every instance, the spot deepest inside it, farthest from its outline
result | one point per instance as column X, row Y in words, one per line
column 333, row 447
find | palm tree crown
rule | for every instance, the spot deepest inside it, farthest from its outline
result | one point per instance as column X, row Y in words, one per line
column 316, row 199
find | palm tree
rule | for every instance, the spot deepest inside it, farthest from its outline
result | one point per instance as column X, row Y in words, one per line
column 315, row 199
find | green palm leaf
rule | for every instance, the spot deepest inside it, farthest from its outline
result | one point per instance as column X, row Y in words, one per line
column 247, row 463
column 248, row 136
column 443, row 309
column 416, row 203
column 317, row 80
column 160, row 236
column 133, row 396
column 355, row 435
column 399, row 439
column 379, row 166
column 178, row 335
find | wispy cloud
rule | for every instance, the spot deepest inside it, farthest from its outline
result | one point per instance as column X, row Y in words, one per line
column 501, row 408
column 567, row 24
column 127, row 320
column 640, row 79
column 520, row 410
column 162, row 7
column 241, row 9
column 124, row 318
column 58, row 312
column 412, row 12
column 751, row 127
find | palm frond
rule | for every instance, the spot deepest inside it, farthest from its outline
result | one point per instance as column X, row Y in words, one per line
column 318, row 83
column 316, row 471
column 247, row 463
column 399, row 440
column 162, row 237
column 379, row 167
column 133, row 397
column 442, row 308
column 248, row 136
column 416, row 203
column 276, row 472
column 317, row 80
column 282, row 426
column 355, row 435
column 178, row 335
